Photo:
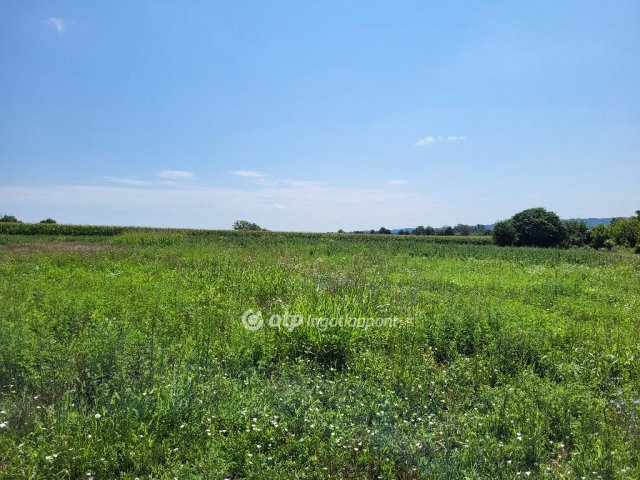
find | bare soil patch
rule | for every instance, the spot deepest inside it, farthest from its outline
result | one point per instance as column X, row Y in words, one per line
column 71, row 247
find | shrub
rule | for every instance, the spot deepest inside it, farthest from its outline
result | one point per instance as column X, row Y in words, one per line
column 577, row 231
column 503, row 233
column 625, row 231
column 599, row 234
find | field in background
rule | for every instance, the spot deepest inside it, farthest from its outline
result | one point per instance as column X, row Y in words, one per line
column 123, row 354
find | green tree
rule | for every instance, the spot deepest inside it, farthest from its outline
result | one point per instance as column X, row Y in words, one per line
column 577, row 232
column 9, row 219
column 599, row 234
column 625, row 231
column 462, row 229
column 537, row 227
column 245, row 225
column 48, row 220
column 504, row 234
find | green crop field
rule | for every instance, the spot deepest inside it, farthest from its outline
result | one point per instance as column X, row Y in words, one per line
column 124, row 355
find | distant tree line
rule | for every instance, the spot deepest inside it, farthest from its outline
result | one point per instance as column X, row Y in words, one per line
column 460, row 229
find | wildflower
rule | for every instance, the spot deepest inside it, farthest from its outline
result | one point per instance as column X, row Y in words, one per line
column 4, row 425
column 97, row 416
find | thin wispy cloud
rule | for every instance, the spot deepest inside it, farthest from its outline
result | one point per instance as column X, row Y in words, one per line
column 248, row 173
column 309, row 205
column 56, row 23
column 430, row 139
column 174, row 174
column 129, row 181
column 397, row 182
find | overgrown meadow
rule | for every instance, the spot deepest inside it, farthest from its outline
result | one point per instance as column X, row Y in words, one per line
column 125, row 357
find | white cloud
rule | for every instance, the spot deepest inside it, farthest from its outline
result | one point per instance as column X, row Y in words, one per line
column 247, row 173
column 397, row 182
column 56, row 23
column 279, row 206
column 430, row 139
column 174, row 174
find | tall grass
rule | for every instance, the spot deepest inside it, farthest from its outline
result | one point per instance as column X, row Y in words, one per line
column 131, row 360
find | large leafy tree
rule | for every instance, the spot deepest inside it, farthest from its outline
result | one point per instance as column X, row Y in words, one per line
column 537, row 227
column 534, row 227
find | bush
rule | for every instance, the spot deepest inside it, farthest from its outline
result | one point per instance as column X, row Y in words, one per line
column 577, row 231
column 503, row 233
column 599, row 235
column 625, row 231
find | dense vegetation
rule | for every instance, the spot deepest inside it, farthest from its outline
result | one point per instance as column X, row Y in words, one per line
column 174, row 233
column 124, row 356
column 537, row 227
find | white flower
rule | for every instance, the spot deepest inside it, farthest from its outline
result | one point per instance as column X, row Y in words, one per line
column 97, row 416
column 4, row 425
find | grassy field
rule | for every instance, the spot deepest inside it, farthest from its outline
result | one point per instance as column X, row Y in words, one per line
column 124, row 356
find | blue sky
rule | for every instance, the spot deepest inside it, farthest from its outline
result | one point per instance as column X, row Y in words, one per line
column 318, row 115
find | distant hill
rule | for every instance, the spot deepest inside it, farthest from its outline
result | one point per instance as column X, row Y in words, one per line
column 591, row 222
